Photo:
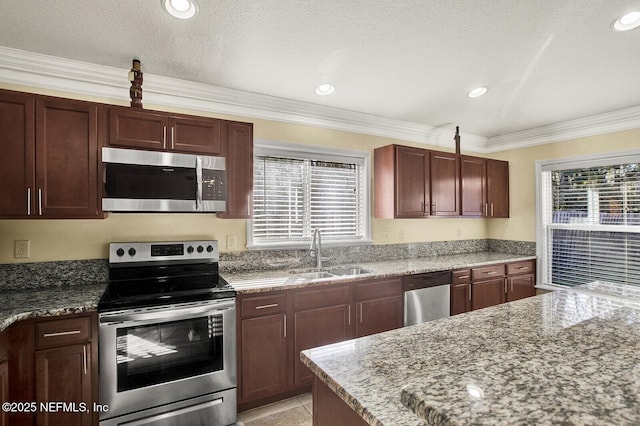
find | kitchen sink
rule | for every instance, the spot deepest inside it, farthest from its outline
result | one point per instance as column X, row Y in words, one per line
column 315, row 275
column 348, row 271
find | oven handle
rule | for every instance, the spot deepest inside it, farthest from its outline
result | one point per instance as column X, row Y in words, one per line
column 169, row 313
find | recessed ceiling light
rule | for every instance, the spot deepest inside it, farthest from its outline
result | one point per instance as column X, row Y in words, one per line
column 627, row 21
column 325, row 89
column 478, row 91
column 182, row 9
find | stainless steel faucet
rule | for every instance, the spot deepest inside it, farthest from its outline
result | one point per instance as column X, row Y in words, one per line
column 316, row 247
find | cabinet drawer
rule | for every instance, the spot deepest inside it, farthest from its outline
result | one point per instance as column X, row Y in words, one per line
column 63, row 332
column 264, row 305
column 525, row 267
column 487, row 272
column 461, row 276
column 317, row 298
column 379, row 288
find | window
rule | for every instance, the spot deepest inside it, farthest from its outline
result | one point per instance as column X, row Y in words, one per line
column 298, row 189
column 589, row 220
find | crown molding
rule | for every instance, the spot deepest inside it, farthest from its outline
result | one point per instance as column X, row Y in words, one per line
column 599, row 124
column 75, row 77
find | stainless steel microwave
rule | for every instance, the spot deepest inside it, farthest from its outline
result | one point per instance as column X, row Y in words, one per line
column 150, row 181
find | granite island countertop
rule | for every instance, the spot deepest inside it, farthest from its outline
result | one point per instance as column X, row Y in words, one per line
column 260, row 281
column 20, row 304
column 568, row 357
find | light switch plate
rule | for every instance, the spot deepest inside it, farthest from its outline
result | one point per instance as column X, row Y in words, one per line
column 231, row 242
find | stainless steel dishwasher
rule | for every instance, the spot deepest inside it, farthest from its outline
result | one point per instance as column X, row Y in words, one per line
column 426, row 296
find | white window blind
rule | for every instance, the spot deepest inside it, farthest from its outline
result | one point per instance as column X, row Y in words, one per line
column 591, row 222
column 294, row 194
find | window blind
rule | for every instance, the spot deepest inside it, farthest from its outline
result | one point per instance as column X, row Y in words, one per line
column 591, row 224
column 293, row 197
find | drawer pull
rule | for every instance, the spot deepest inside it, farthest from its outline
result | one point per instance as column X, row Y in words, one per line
column 523, row 268
column 272, row 305
column 491, row 273
column 462, row 277
column 62, row 333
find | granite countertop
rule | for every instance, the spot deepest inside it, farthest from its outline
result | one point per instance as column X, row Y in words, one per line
column 254, row 282
column 21, row 304
column 568, row 357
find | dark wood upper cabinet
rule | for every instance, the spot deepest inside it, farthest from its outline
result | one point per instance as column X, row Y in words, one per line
column 401, row 182
column 445, row 184
column 160, row 131
column 49, row 162
column 473, row 181
column 497, row 188
column 17, row 162
column 239, row 165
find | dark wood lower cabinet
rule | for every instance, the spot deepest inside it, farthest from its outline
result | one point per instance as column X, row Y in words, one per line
column 520, row 286
column 64, row 375
column 487, row 293
column 4, row 391
column 330, row 410
column 318, row 327
column 460, row 300
column 264, row 356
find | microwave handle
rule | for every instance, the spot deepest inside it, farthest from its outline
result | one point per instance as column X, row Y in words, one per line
column 198, row 183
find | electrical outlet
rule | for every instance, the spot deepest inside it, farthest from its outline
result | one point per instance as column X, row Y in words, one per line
column 231, row 242
column 459, row 232
column 21, row 249
column 401, row 236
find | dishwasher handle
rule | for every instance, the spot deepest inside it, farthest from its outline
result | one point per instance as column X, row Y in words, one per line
column 426, row 280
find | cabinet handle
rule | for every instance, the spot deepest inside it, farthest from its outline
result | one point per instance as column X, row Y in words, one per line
column 349, row 313
column 424, row 210
column 486, row 209
column 462, row 277
column 360, row 313
column 491, row 273
column 469, row 291
column 61, row 333
column 491, row 209
column 273, row 305
column 435, row 209
column 505, row 285
column 172, row 136
column 285, row 325
column 40, row 201
column 84, row 359
column 523, row 268
column 512, row 286
column 164, row 137
column 29, row 201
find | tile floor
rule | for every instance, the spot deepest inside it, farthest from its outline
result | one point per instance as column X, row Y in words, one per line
column 294, row 411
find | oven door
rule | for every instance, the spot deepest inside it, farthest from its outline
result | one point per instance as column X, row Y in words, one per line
column 155, row 356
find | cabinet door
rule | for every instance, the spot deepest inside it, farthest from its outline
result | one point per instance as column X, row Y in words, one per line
column 64, row 374
column 318, row 327
column 239, row 164
column 445, row 184
column 263, row 357
column 67, row 158
column 137, row 129
column 487, row 293
column 473, row 175
column 378, row 315
column 412, row 182
column 497, row 188
column 197, row 135
column 4, row 391
column 460, row 300
column 17, row 167
column 520, row 286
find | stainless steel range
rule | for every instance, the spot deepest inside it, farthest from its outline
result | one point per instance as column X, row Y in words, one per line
column 167, row 337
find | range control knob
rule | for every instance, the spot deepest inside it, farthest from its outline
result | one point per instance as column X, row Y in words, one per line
column 132, row 251
column 200, row 249
column 120, row 252
column 209, row 248
column 190, row 249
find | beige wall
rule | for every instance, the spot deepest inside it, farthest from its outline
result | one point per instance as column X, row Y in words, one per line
column 88, row 239
column 522, row 186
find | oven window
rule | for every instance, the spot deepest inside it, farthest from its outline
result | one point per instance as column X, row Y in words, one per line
column 159, row 353
column 149, row 182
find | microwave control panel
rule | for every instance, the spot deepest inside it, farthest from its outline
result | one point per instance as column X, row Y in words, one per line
column 214, row 186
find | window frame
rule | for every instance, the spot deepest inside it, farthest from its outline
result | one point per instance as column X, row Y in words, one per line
column 566, row 163
column 323, row 153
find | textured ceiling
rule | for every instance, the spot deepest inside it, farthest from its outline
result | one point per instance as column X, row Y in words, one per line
column 544, row 61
